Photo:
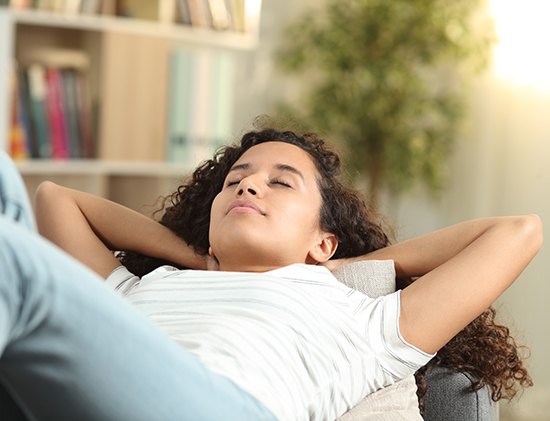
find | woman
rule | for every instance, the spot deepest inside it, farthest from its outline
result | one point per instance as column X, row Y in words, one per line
column 268, row 213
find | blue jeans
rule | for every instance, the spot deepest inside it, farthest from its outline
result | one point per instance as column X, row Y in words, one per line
column 70, row 348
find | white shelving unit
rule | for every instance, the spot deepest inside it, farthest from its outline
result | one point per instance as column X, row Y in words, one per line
column 174, row 32
column 118, row 180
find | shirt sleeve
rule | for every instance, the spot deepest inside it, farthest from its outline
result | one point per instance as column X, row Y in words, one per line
column 379, row 318
column 122, row 280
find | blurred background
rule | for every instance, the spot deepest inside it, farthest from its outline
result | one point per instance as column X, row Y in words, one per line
column 442, row 108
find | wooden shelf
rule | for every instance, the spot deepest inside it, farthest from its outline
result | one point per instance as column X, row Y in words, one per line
column 101, row 167
column 174, row 32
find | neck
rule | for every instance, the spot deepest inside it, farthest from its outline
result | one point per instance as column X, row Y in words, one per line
column 253, row 259
column 248, row 263
column 228, row 267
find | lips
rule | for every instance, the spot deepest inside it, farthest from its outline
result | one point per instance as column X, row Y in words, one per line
column 244, row 206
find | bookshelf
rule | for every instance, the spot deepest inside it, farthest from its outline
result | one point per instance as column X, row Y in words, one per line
column 129, row 65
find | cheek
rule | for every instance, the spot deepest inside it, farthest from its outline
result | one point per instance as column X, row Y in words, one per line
column 306, row 214
column 215, row 210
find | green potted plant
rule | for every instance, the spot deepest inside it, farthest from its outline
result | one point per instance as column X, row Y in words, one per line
column 387, row 79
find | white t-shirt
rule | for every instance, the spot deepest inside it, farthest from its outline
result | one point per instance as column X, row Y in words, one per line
column 298, row 340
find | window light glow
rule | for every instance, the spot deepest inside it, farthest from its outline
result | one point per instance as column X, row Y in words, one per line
column 522, row 54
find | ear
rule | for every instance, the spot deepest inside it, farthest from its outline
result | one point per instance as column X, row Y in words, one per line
column 324, row 248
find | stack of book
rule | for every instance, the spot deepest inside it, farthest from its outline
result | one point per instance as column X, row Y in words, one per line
column 217, row 14
column 201, row 104
column 51, row 113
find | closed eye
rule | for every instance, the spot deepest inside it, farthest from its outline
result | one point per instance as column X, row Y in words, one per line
column 232, row 183
column 281, row 182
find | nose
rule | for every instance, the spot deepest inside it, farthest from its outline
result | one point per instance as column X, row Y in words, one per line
column 247, row 186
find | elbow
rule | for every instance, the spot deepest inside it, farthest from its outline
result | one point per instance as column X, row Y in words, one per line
column 531, row 230
column 47, row 198
column 45, row 193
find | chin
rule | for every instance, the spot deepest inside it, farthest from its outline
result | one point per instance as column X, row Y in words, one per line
column 253, row 250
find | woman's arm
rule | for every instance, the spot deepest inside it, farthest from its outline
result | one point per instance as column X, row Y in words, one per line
column 462, row 269
column 88, row 227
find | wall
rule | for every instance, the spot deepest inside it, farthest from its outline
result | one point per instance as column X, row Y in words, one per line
column 499, row 167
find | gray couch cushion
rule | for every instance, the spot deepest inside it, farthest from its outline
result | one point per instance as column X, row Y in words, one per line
column 450, row 398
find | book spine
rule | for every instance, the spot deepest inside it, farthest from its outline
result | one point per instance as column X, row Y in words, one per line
column 166, row 11
column 180, row 110
column 72, row 123
column 17, row 141
column 84, row 108
column 237, row 10
column 38, row 99
column 26, row 121
column 90, row 7
column 184, row 15
column 219, row 14
column 72, row 6
column 223, row 101
column 198, row 11
column 58, row 130
column 202, row 100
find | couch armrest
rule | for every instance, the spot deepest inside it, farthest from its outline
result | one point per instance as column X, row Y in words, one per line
column 449, row 398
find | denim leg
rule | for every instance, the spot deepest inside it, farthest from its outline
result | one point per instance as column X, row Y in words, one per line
column 72, row 349
column 14, row 200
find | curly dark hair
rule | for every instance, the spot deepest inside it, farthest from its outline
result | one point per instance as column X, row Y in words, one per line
column 484, row 348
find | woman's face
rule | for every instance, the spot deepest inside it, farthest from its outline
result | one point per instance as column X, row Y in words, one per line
column 267, row 213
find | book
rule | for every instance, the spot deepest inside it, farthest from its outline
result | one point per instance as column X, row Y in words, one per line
column 141, row 9
column 203, row 96
column 25, row 117
column 166, row 11
column 199, row 13
column 87, row 145
column 223, row 102
column 220, row 14
column 38, row 104
column 71, row 114
column 47, row 5
column 180, row 106
column 237, row 11
column 17, row 4
column 72, row 6
column 16, row 136
column 56, row 114
column 182, row 13
column 91, row 7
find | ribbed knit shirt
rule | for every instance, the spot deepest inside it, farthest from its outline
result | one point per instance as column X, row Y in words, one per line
column 295, row 338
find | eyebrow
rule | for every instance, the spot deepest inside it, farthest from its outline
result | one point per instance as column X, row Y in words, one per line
column 281, row 167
